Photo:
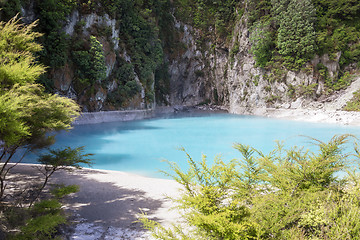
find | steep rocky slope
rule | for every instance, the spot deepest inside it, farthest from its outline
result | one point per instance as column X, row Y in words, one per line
column 229, row 77
column 112, row 57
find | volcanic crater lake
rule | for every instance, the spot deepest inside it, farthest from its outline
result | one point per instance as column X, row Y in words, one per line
column 141, row 146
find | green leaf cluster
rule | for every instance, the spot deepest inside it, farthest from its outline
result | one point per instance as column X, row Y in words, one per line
column 128, row 86
column 29, row 118
column 261, row 43
column 301, row 29
column 203, row 14
column 64, row 158
column 43, row 220
column 354, row 103
column 27, row 113
column 289, row 193
column 17, row 45
column 22, row 102
column 296, row 39
column 52, row 14
column 338, row 28
column 98, row 59
column 143, row 25
column 90, row 65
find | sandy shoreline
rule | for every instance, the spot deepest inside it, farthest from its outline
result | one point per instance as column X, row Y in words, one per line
column 109, row 202
column 310, row 115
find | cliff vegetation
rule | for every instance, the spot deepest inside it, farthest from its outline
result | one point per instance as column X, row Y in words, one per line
column 122, row 54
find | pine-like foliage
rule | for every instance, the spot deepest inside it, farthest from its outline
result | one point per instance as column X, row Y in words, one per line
column 296, row 33
column 17, row 45
column 289, row 193
column 29, row 118
column 27, row 113
column 261, row 43
column 98, row 60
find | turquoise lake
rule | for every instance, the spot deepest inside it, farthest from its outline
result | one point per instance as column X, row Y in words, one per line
column 140, row 146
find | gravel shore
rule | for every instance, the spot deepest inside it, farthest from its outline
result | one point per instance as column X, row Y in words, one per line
column 109, row 202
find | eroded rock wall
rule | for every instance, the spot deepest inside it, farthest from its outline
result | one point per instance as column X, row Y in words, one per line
column 215, row 73
column 206, row 70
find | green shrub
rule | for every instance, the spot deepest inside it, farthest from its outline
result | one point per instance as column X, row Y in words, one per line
column 289, row 193
column 259, row 10
column 354, row 103
column 98, row 70
column 262, row 43
column 343, row 82
column 90, row 65
column 61, row 190
column 52, row 206
column 203, row 14
column 336, row 28
column 296, row 39
column 9, row 9
column 272, row 99
column 52, row 15
column 42, row 227
column 267, row 88
column 307, row 90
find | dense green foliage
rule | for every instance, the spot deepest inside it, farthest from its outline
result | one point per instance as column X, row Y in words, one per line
column 140, row 34
column 90, row 65
column 300, row 29
column 289, row 193
column 29, row 118
column 338, row 28
column 43, row 220
column 296, row 34
column 354, row 103
column 205, row 15
column 261, row 40
column 27, row 113
column 126, row 78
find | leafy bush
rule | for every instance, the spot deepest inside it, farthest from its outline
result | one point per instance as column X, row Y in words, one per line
column 336, row 28
column 42, row 227
column 343, row 82
column 203, row 14
column 62, row 190
column 52, row 15
column 127, row 88
column 307, row 90
column 90, row 65
column 9, row 9
column 46, row 216
column 354, row 103
column 259, row 10
column 29, row 119
column 286, row 194
column 41, row 221
column 262, row 43
column 296, row 34
column 98, row 69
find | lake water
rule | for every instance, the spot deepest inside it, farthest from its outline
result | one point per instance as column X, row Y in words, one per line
column 140, row 146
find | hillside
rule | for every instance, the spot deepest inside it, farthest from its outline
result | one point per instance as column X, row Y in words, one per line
column 244, row 55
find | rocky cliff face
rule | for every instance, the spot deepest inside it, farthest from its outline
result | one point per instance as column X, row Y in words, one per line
column 206, row 71
column 97, row 99
column 118, row 75
column 226, row 74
